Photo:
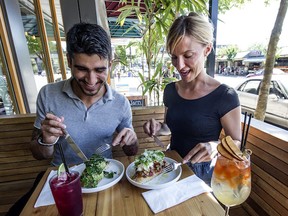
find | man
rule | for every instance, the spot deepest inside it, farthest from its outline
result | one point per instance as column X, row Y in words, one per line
column 83, row 105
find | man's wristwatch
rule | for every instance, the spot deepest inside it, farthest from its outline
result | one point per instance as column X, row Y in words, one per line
column 40, row 141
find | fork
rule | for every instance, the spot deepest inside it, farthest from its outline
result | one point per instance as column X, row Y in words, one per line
column 171, row 167
column 102, row 148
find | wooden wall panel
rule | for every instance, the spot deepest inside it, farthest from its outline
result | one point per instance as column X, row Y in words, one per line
column 140, row 116
column 18, row 168
column 269, row 173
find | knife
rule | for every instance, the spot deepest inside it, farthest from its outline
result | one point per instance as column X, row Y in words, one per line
column 158, row 141
column 74, row 146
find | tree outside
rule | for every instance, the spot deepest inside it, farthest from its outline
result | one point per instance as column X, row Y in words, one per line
column 270, row 61
column 36, row 52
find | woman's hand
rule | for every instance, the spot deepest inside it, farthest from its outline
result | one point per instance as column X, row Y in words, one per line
column 202, row 152
column 151, row 127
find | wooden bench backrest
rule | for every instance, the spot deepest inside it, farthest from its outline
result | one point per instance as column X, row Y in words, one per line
column 140, row 116
column 269, row 174
column 18, row 168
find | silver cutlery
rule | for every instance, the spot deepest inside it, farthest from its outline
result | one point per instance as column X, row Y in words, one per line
column 102, row 148
column 72, row 143
column 158, row 141
column 74, row 146
column 171, row 167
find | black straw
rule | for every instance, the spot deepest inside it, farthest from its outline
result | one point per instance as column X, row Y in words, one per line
column 245, row 131
column 62, row 157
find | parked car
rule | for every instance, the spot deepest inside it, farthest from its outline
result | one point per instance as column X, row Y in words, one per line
column 276, row 71
column 277, row 104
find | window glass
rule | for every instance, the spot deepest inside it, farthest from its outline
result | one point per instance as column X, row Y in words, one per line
column 51, row 37
column 34, row 42
column 284, row 84
column 275, row 89
column 250, row 86
column 6, row 103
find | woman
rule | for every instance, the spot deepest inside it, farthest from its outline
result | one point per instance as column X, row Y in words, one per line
column 197, row 107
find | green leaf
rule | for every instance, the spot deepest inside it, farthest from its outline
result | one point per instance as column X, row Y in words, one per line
column 109, row 174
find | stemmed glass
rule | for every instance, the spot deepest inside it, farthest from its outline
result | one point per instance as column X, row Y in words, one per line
column 231, row 180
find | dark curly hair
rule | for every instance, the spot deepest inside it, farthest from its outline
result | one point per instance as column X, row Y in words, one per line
column 88, row 39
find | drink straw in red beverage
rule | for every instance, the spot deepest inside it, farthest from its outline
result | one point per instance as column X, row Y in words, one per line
column 63, row 157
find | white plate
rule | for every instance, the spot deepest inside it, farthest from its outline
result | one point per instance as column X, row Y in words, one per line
column 161, row 181
column 113, row 166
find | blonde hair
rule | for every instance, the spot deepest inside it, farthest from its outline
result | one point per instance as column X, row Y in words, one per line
column 193, row 25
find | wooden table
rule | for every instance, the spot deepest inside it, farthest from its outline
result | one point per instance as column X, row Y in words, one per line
column 124, row 199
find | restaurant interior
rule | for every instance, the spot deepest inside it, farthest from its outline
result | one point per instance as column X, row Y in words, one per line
column 48, row 20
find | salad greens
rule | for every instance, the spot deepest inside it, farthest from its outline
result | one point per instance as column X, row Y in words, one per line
column 147, row 159
column 94, row 171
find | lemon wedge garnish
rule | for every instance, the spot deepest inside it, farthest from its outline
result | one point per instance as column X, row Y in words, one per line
column 61, row 172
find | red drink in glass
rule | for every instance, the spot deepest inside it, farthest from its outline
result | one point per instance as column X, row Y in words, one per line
column 67, row 194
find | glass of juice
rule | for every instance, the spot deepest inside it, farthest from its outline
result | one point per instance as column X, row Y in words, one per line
column 231, row 180
column 67, row 194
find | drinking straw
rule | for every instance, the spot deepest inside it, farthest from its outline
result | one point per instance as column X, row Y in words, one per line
column 247, row 130
column 61, row 151
column 62, row 157
column 243, row 132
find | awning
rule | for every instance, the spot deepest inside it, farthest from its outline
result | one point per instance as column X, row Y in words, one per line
column 261, row 59
column 240, row 56
column 106, row 21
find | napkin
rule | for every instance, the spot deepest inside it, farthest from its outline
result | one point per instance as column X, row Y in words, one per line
column 161, row 199
column 45, row 197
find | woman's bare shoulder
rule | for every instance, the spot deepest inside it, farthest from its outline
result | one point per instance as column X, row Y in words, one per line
column 213, row 83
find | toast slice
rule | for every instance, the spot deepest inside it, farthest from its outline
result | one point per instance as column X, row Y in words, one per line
column 148, row 165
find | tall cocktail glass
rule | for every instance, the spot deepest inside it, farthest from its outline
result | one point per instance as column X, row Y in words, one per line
column 67, row 194
column 231, row 180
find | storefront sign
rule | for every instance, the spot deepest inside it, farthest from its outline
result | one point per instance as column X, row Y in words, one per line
column 137, row 101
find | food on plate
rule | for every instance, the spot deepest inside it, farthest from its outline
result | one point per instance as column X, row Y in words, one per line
column 148, row 165
column 94, row 171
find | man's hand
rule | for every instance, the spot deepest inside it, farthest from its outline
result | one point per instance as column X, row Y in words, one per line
column 126, row 137
column 52, row 128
